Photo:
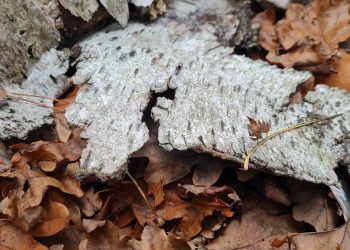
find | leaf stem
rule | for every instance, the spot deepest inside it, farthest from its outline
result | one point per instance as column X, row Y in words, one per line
column 300, row 125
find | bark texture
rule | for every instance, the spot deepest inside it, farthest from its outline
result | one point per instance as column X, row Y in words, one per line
column 48, row 79
column 120, row 68
column 216, row 92
column 27, row 30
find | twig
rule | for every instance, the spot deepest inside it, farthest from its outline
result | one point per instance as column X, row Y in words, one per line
column 159, row 221
column 36, row 103
column 38, row 96
column 300, row 125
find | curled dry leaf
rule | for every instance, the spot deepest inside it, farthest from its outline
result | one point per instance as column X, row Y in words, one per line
column 275, row 192
column 13, row 238
column 163, row 167
column 335, row 239
column 340, row 75
column 307, row 36
column 313, row 207
column 206, row 190
column 56, row 220
column 90, row 203
column 256, row 230
column 91, row 225
column 157, row 8
column 256, row 128
column 207, row 171
column 109, row 237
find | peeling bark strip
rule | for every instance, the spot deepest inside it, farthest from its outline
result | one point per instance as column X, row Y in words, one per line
column 122, row 67
column 216, row 94
column 47, row 79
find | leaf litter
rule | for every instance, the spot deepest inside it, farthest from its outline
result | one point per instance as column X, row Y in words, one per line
column 181, row 200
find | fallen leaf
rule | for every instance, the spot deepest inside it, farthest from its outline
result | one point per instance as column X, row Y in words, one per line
column 91, row 225
column 3, row 94
column 207, row 191
column 108, row 237
column 256, row 128
column 157, row 8
column 340, row 77
column 207, row 171
column 34, row 215
column 68, row 99
column 14, row 238
column 56, row 247
column 275, row 192
column 90, row 203
column 63, row 131
column 246, row 175
column 256, row 230
column 163, row 167
column 312, row 206
column 47, row 166
column 56, row 220
column 307, row 35
column 152, row 238
column 335, row 239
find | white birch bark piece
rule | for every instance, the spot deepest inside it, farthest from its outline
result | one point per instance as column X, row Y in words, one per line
column 120, row 68
column 216, row 92
column 47, row 79
column 81, row 8
column 27, row 30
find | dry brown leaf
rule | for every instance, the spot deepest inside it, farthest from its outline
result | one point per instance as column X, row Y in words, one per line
column 63, row 131
column 207, row 172
column 56, row 220
column 206, row 191
column 47, row 166
column 157, row 8
column 90, row 203
column 152, row 238
column 91, row 225
column 68, row 99
column 313, row 207
column 255, row 225
column 256, row 128
column 34, row 215
column 56, row 247
column 3, row 94
column 275, row 192
column 338, row 239
column 14, row 238
column 307, row 35
column 267, row 35
column 246, row 175
column 108, row 237
column 163, row 167
column 341, row 76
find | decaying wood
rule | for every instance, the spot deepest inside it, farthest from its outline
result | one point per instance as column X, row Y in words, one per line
column 122, row 67
column 27, row 30
column 215, row 95
column 47, row 79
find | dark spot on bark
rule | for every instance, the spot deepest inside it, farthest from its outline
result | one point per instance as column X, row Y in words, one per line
column 212, row 132
column 123, row 56
column 148, row 51
column 22, row 32
column 132, row 53
column 114, row 38
column 160, row 56
column 178, row 69
column 99, row 44
column 189, row 125
column 118, row 48
column 222, row 125
column 154, row 60
column 136, row 71
column 233, row 129
column 337, row 104
column 53, row 78
column 30, row 51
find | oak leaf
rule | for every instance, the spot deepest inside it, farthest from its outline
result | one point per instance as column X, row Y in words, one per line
column 56, row 220
column 14, row 238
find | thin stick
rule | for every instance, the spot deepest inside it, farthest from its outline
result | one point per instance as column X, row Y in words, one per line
column 159, row 221
column 36, row 103
column 38, row 96
column 139, row 189
column 300, row 125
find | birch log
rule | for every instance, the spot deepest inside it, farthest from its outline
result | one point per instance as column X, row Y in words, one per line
column 215, row 95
